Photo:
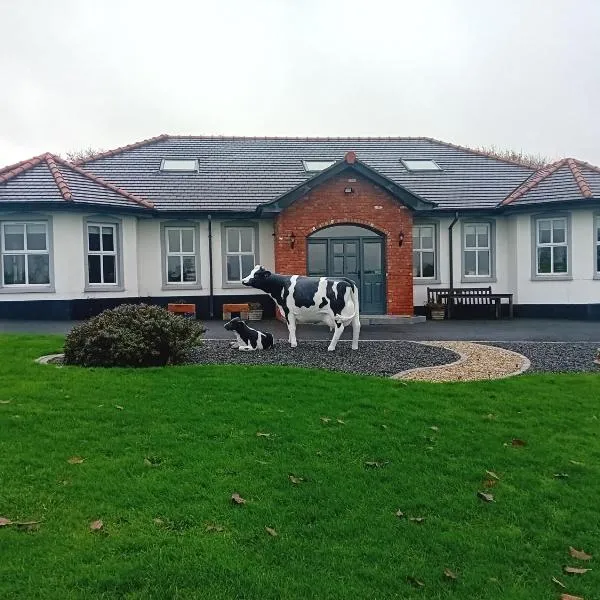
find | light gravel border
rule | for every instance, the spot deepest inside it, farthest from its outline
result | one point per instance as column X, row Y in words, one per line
column 476, row 362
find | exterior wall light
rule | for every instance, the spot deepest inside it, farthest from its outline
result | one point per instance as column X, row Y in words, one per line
column 400, row 238
column 292, row 240
column 348, row 190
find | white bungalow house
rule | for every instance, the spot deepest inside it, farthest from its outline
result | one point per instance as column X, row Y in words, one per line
column 187, row 217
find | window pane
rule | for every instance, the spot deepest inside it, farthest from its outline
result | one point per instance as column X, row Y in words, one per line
column 110, row 273
column 233, row 268
column 484, row 262
column 417, row 264
column 598, row 258
column 416, row 238
column 14, row 269
column 14, row 237
column 36, row 236
column 94, row 269
column 544, row 258
column 559, row 232
column 246, row 235
column 189, row 269
column 338, row 265
column 338, row 248
column 317, row 258
column 470, row 264
column 39, row 269
column 173, row 240
column 351, row 264
column 372, row 257
column 427, row 238
column 187, row 240
column 108, row 239
column 176, row 164
column 247, row 264
column 428, row 264
column 174, row 269
column 560, row 259
column 544, row 232
column 233, row 239
column 94, row 238
column 470, row 236
column 598, row 233
column 482, row 236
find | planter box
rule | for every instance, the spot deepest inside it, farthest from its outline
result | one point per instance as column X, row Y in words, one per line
column 438, row 314
column 185, row 310
column 231, row 309
column 255, row 315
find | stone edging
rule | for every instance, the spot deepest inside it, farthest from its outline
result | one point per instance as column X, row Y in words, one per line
column 461, row 359
column 46, row 360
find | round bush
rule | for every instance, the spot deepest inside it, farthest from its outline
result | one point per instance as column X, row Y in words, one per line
column 132, row 335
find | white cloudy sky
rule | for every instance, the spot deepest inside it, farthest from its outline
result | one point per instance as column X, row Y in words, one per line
column 519, row 74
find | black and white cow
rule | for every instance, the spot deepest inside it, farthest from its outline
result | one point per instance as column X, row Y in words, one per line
column 329, row 300
column 248, row 338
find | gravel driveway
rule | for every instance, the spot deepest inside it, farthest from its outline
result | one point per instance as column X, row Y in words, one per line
column 371, row 358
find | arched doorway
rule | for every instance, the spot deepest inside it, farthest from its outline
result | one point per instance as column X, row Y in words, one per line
column 356, row 253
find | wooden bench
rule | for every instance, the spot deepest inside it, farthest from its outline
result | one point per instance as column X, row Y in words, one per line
column 233, row 309
column 480, row 296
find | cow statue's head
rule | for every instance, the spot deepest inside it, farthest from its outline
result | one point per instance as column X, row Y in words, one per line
column 257, row 278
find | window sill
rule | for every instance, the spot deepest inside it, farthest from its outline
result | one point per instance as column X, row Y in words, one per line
column 596, row 276
column 180, row 286
column 465, row 279
column 425, row 281
column 28, row 289
column 234, row 286
column 104, row 288
column 552, row 278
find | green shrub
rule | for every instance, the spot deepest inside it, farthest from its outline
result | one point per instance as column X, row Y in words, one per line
column 132, row 335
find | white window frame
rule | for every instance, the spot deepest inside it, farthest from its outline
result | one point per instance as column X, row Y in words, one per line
column 552, row 244
column 101, row 253
column 193, row 168
column 476, row 249
column 239, row 253
column 181, row 254
column 25, row 252
column 421, row 250
column 424, row 161
column 309, row 164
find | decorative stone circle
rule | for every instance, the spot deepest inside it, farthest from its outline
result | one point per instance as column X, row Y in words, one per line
column 476, row 362
column 49, row 359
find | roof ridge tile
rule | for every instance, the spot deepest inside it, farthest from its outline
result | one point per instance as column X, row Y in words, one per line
column 20, row 167
column 580, row 180
column 107, row 153
column 532, row 181
column 58, row 177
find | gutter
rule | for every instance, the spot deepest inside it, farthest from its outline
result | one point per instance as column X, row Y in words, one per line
column 451, row 249
column 211, row 295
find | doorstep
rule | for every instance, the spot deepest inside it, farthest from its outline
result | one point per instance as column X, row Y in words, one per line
column 391, row 319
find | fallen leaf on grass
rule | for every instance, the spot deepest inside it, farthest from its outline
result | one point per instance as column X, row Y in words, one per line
column 27, row 525
column 490, row 417
column 561, row 475
column 262, row 434
column 434, row 428
column 414, row 581
column 341, row 422
column 374, row 464
column 325, row 419
column 158, row 521
column 383, row 426
column 492, row 475
column 559, row 583
column 417, row 519
column 295, row 480
column 485, row 496
column 576, row 462
column 579, row 554
column 570, row 597
column 518, row 442
column 237, row 499
column 575, row 570
column 152, row 461
column 271, row 531
column 117, row 406
column 4, row 401
column 4, row 522
column 75, row 460
column 96, row 525
column 450, row 574
column 216, row 528
column 399, row 514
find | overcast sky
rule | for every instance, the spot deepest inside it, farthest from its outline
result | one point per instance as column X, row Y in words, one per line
column 520, row 74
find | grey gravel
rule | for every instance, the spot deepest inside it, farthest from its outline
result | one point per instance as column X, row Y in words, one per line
column 371, row 358
column 555, row 357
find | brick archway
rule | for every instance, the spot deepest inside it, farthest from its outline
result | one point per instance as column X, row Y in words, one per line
column 368, row 205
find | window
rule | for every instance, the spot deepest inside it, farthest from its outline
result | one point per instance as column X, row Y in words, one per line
column 477, row 253
column 102, row 253
column 420, row 164
column 552, row 255
column 597, row 244
column 25, row 254
column 317, row 165
column 179, row 164
column 424, row 252
column 180, row 244
column 239, row 252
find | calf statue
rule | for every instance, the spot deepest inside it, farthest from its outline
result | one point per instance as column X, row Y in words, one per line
column 329, row 300
column 247, row 338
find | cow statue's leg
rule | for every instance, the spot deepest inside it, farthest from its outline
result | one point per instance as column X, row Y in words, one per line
column 339, row 329
column 355, row 325
column 291, row 321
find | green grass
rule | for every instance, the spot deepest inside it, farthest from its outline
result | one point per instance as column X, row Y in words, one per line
column 338, row 534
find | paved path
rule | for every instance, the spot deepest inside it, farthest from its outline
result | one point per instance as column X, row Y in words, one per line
column 517, row 330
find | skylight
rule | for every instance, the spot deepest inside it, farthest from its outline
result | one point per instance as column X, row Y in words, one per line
column 313, row 166
column 420, row 164
column 182, row 165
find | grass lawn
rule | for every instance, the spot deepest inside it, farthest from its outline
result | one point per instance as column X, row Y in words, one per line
column 166, row 448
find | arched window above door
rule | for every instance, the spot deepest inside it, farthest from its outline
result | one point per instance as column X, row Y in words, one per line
column 344, row 231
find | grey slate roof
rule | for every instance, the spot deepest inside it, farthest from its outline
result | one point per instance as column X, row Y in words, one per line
column 239, row 174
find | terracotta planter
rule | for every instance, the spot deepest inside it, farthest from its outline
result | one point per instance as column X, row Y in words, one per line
column 438, row 314
column 185, row 310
